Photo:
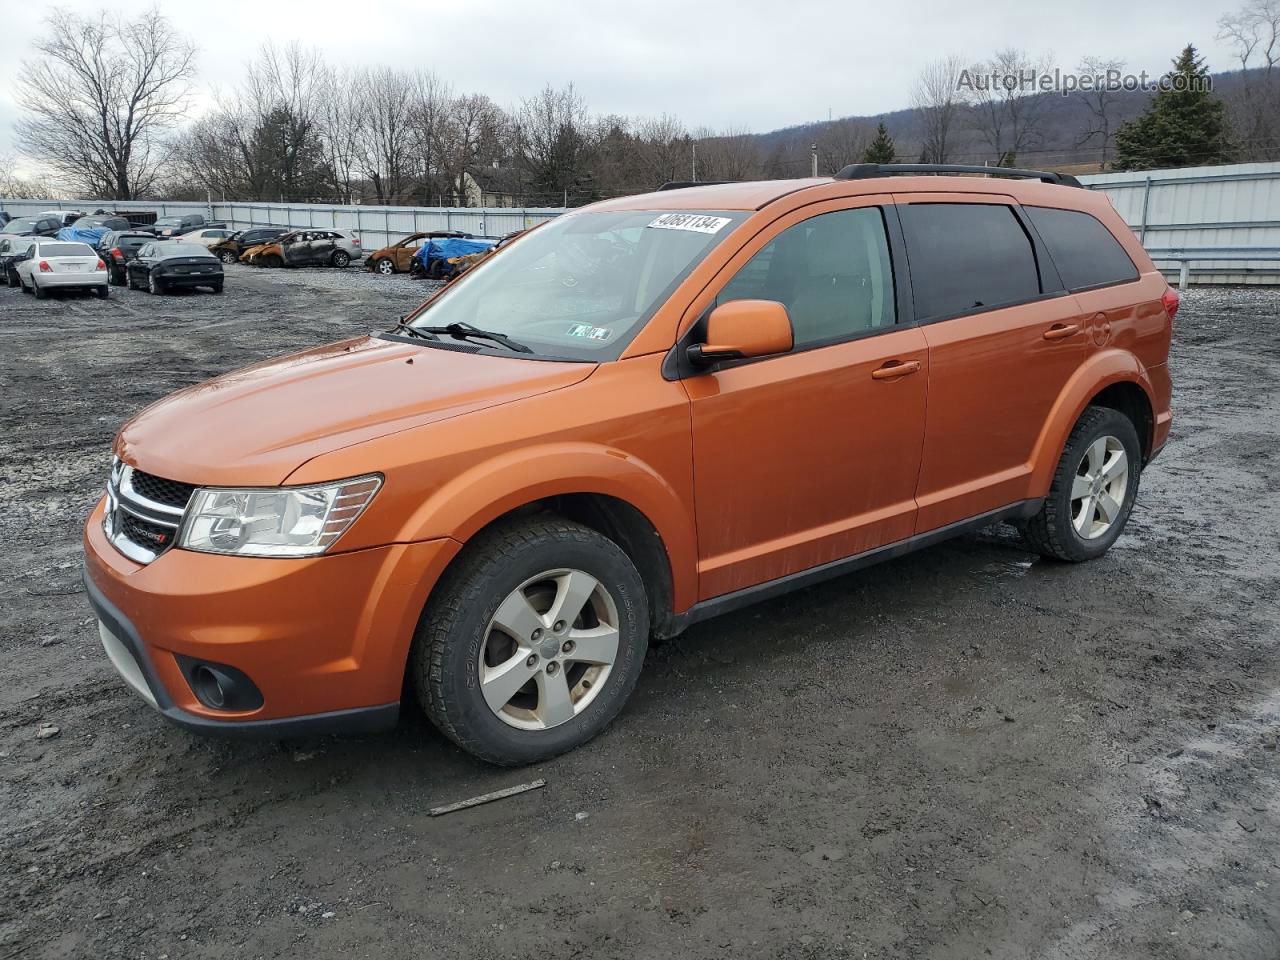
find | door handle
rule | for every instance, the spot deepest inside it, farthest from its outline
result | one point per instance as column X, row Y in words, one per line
column 895, row 369
column 1060, row 331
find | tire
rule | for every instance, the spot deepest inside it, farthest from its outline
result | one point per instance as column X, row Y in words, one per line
column 340, row 258
column 40, row 292
column 384, row 267
column 102, row 292
column 154, row 285
column 1077, row 528
column 228, row 256
column 23, row 285
column 216, row 288
column 115, row 278
column 271, row 261
column 457, row 630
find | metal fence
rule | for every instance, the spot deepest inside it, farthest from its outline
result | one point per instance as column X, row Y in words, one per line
column 378, row 226
column 1181, row 216
column 1184, row 216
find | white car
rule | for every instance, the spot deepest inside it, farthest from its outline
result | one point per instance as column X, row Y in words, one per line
column 59, row 265
column 206, row 236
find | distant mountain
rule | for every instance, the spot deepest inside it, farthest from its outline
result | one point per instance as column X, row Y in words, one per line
column 1064, row 122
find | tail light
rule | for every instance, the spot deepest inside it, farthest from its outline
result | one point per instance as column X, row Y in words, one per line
column 44, row 267
column 1171, row 302
column 100, row 266
column 116, row 254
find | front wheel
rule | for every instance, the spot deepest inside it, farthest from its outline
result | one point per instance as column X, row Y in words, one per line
column 532, row 641
column 227, row 256
column 1093, row 489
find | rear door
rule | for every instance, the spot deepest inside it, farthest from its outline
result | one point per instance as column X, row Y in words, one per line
column 813, row 455
column 1003, row 337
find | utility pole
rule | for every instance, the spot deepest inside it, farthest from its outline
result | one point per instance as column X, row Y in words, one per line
column 694, row 168
column 814, row 148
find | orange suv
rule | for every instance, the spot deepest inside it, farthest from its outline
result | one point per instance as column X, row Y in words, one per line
column 641, row 414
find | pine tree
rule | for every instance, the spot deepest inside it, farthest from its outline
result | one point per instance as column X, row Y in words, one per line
column 881, row 149
column 1184, row 125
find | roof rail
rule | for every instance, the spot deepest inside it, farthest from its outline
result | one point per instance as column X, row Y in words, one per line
column 863, row 171
column 681, row 184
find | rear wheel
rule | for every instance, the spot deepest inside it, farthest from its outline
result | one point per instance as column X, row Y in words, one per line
column 102, row 292
column 115, row 277
column 340, row 258
column 154, row 284
column 1093, row 489
column 40, row 292
column 532, row 641
column 385, row 267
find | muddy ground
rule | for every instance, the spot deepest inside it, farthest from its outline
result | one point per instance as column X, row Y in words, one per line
column 969, row 752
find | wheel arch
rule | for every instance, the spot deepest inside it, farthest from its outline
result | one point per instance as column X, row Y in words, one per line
column 1111, row 378
column 605, row 489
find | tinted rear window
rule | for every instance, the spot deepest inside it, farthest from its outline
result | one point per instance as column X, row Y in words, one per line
column 67, row 250
column 1085, row 252
column 967, row 257
column 184, row 250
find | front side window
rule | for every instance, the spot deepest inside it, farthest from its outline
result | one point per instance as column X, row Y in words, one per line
column 1085, row 252
column 832, row 273
column 583, row 285
column 967, row 257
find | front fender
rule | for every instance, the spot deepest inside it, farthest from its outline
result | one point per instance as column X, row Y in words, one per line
column 1100, row 371
column 486, row 491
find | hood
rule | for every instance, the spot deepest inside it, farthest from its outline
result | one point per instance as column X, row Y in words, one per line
column 256, row 426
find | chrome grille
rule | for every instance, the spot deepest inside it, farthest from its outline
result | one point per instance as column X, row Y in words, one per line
column 143, row 512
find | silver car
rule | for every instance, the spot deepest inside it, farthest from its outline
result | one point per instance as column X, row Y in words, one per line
column 60, row 265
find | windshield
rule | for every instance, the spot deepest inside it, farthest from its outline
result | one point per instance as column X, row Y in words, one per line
column 66, row 250
column 584, row 284
column 21, row 223
column 184, row 250
column 168, row 221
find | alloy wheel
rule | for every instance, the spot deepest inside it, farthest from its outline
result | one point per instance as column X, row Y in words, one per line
column 549, row 649
column 1098, row 491
column 386, row 268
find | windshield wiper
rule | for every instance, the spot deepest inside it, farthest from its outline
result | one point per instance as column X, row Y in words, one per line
column 462, row 331
column 402, row 326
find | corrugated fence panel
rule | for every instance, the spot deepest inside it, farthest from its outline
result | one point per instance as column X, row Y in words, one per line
column 1235, row 205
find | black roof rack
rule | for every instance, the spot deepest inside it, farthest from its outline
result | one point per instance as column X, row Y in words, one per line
column 862, row 171
column 681, row 184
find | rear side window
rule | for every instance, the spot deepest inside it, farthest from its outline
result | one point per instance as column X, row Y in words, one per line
column 831, row 272
column 967, row 257
column 1085, row 252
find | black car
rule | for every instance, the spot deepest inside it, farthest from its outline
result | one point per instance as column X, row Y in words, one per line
column 13, row 250
column 229, row 250
column 117, row 248
column 160, row 266
column 108, row 221
column 42, row 226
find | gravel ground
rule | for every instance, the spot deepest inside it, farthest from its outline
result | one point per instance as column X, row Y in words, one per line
column 966, row 752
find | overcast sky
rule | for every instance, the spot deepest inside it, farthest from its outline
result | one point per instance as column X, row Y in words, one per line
column 758, row 64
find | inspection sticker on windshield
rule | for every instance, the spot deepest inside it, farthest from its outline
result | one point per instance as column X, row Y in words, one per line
column 693, row 222
column 590, row 332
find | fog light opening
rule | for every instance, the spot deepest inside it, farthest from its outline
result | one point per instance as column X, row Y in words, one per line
column 208, row 687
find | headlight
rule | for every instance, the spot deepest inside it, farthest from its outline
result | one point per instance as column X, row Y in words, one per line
column 284, row 522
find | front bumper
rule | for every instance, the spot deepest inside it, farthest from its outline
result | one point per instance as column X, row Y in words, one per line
column 324, row 639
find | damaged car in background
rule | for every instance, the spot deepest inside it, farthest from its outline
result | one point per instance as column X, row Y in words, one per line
column 307, row 248
column 230, row 249
column 398, row 257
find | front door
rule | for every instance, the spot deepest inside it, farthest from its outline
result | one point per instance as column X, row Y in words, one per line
column 1004, row 339
column 811, row 456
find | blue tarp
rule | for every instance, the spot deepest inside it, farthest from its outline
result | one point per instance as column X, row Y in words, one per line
column 446, row 248
column 89, row 235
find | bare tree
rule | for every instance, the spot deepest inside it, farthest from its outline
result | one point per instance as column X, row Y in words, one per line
column 381, row 129
column 1100, row 98
column 664, row 150
column 468, row 139
column 1254, row 32
column 731, row 154
column 841, row 143
column 16, row 187
column 427, row 118
column 1007, row 111
column 938, row 100
column 554, row 140
column 100, row 97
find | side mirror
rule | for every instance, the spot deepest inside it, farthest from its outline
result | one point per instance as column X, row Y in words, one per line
column 744, row 328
